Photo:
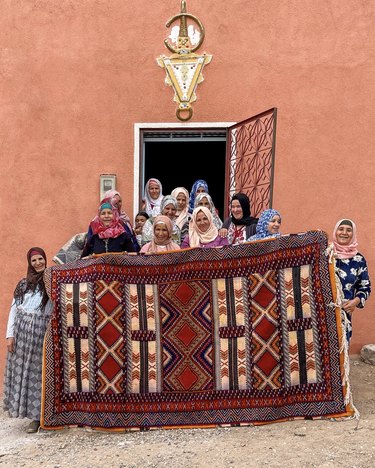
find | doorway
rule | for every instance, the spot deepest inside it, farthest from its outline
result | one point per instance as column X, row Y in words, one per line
column 178, row 158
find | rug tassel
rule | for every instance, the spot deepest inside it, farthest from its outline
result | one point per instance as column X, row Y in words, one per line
column 348, row 397
column 344, row 347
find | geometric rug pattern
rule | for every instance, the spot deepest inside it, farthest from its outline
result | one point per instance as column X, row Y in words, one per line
column 243, row 334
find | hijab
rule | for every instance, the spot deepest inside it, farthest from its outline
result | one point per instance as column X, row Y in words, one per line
column 111, row 194
column 153, row 206
column 198, row 183
column 262, row 226
column 246, row 219
column 33, row 281
column 168, row 200
column 217, row 221
column 181, row 215
column 115, row 229
column 168, row 243
column 196, row 236
column 345, row 251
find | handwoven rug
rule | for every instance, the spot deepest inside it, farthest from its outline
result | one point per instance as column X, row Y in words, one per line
column 243, row 334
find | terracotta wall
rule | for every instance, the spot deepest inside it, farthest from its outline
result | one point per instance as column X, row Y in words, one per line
column 76, row 76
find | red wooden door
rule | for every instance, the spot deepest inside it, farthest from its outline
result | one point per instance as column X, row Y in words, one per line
column 250, row 160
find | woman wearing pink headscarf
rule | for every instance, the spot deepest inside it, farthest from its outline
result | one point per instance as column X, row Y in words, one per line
column 116, row 200
column 109, row 234
column 162, row 239
column 351, row 268
column 202, row 230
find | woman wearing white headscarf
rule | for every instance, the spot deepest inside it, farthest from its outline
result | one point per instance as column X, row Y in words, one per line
column 202, row 231
column 168, row 208
column 152, row 197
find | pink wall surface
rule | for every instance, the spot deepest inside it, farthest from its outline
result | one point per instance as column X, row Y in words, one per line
column 76, row 76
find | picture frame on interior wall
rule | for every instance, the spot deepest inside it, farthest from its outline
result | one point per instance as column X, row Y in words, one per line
column 107, row 182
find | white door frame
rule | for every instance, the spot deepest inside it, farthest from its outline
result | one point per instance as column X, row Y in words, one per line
column 159, row 125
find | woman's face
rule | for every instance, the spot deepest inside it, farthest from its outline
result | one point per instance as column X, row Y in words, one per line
column 181, row 201
column 106, row 216
column 204, row 202
column 200, row 189
column 344, row 234
column 161, row 233
column 236, row 209
column 154, row 190
column 38, row 263
column 202, row 221
column 117, row 202
column 170, row 211
column 274, row 225
column 140, row 221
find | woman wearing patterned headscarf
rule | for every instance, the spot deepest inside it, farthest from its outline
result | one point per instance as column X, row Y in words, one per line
column 168, row 208
column 240, row 225
column 204, row 199
column 268, row 225
column 109, row 234
column 116, row 200
column 202, row 230
column 351, row 269
column 198, row 186
column 162, row 236
column 28, row 319
column 152, row 197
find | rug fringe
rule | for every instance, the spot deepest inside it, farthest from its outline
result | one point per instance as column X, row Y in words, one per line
column 344, row 345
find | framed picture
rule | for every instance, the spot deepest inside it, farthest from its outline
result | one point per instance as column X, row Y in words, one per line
column 107, row 182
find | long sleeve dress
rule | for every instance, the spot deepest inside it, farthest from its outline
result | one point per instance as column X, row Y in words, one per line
column 355, row 282
column 27, row 323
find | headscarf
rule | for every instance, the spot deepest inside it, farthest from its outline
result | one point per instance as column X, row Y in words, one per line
column 217, row 221
column 115, row 229
column 181, row 215
column 196, row 236
column 111, row 194
column 169, row 244
column 153, row 206
column 198, row 183
column 262, row 226
column 168, row 200
column 246, row 219
column 345, row 251
column 33, row 280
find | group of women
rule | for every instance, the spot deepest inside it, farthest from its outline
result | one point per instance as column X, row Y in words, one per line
column 166, row 223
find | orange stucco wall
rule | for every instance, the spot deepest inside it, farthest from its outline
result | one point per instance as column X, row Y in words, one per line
column 76, row 76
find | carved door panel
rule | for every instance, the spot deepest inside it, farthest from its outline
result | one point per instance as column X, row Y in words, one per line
column 250, row 160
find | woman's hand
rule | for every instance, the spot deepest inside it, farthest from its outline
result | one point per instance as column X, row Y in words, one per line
column 10, row 344
column 349, row 306
column 223, row 232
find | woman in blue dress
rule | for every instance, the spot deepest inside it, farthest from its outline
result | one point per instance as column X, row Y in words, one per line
column 351, row 268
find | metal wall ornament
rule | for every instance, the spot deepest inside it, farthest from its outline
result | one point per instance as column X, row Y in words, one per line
column 184, row 68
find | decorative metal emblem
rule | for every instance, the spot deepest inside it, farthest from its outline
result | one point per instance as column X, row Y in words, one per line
column 184, row 68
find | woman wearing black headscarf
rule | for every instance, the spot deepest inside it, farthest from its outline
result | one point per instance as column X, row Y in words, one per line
column 240, row 225
column 28, row 319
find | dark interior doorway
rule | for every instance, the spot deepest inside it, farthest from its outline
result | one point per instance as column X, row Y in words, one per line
column 180, row 163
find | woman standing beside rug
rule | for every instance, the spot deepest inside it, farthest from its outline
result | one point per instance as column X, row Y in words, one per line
column 351, row 269
column 28, row 319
